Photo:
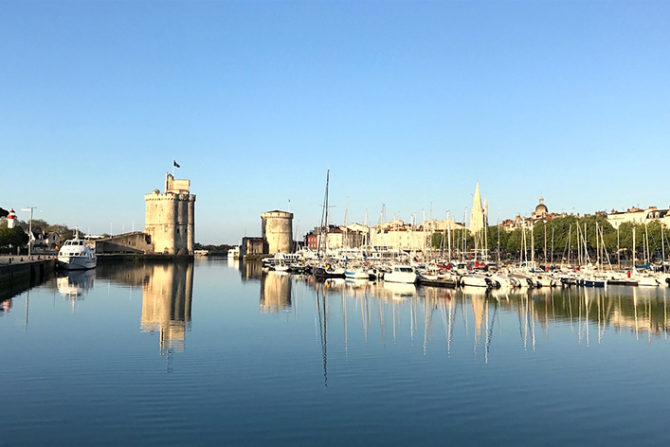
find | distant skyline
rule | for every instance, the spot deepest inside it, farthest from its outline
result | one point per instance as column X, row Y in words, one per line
column 409, row 104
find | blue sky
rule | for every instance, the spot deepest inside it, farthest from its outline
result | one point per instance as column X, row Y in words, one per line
column 408, row 104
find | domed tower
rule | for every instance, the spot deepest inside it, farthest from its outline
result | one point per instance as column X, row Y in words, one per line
column 541, row 210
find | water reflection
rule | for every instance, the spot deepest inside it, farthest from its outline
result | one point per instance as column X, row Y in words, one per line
column 394, row 311
column 275, row 292
column 76, row 283
column 167, row 289
column 248, row 270
column 166, row 304
column 5, row 306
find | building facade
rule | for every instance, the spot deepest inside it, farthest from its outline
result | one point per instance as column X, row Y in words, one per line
column 639, row 216
column 277, row 229
column 170, row 218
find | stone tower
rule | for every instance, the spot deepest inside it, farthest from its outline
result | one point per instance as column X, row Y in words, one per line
column 170, row 217
column 278, row 231
column 477, row 215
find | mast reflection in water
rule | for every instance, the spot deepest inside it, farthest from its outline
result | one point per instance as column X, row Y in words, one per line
column 282, row 359
column 414, row 311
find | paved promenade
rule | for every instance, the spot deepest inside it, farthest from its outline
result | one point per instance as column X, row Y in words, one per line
column 24, row 259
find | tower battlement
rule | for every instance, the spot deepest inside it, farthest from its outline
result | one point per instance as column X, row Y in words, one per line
column 170, row 217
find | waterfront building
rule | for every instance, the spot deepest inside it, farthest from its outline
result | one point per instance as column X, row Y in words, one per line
column 41, row 240
column 406, row 236
column 252, row 246
column 540, row 214
column 337, row 237
column 395, row 235
column 170, row 217
column 541, row 211
column 636, row 215
column 401, row 237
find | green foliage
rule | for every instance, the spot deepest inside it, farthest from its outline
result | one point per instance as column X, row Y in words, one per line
column 14, row 237
column 63, row 231
column 456, row 240
column 568, row 233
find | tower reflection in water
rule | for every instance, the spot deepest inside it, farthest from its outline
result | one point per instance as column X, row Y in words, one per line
column 249, row 271
column 166, row 303
column 275, row 292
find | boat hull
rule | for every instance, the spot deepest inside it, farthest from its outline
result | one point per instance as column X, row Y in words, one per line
column 400, row 277
column 76, row 263
column 356, row 274
column 450, row 283
column 320, row 272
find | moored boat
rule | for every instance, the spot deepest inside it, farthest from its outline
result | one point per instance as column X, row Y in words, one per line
column 477, row 280
column 402, row 274
column 75, row 254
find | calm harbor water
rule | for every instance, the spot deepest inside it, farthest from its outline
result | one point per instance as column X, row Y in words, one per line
column 206, row 352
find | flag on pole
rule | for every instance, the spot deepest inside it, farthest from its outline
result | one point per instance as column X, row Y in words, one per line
column 175, row 164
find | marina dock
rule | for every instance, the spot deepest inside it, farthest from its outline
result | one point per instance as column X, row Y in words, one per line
column 18, row 273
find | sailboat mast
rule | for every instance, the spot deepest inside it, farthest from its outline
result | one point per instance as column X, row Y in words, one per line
column 597, row 249
column 662, row 249
column 618, row 247
column 367, row 235
column 552, row 246
column 569, row 243
column 498, row 241
column 326, row 205
column 449, row 235
column 346, row 225
column 486, row 236
column 646, row 237
column 545, row 242
column 532, row 245
column 633, row 246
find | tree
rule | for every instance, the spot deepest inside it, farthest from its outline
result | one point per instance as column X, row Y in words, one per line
column 14, row 237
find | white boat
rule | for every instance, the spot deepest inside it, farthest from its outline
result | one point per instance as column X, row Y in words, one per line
column 401, row 273
column 645, row 280
column 356, row 273
column 75, row 254
column 546, row 280
column 664, row 279
column 475, row 280
column 281, row 268
column 234, row 253
column 505, row 281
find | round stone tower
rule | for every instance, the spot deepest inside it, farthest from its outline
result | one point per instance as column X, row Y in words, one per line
column 170, row 217
column 278, row 231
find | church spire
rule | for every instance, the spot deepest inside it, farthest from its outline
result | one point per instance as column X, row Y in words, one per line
column 477, row 215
